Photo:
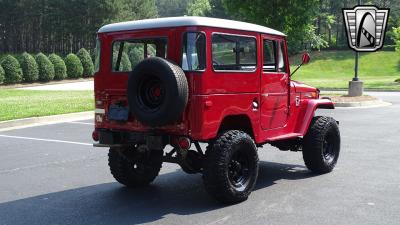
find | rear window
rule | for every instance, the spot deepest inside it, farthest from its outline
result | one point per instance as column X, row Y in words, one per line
column 128, row 53
column 231, row 52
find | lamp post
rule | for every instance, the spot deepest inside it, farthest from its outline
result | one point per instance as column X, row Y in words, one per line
column 355, row 85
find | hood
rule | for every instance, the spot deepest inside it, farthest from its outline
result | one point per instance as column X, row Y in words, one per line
column 302, row 87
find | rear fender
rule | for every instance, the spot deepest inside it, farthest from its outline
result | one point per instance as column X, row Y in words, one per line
column 308, row 107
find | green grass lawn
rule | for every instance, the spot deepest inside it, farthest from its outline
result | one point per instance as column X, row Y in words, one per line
column 16, row 104
column 333, row 69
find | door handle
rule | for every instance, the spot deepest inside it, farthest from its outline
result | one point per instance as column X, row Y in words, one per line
column 255, row 104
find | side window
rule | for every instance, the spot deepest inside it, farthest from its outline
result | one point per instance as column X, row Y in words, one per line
column 231, row 52
column 194, row 51
column 269, row 55
column 128, row 53
column 281, row 62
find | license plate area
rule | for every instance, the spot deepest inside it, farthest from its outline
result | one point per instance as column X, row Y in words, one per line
column 118, row 112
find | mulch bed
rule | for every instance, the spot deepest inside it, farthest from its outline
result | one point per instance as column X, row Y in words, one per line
column 346, row 98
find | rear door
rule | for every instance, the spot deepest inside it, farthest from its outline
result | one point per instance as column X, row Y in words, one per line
column 274, row 83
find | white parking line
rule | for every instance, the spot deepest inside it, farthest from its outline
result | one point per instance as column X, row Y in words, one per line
column 46, row 140
column 84, row 123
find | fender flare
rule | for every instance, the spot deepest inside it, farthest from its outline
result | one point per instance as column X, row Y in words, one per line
column 308, row 107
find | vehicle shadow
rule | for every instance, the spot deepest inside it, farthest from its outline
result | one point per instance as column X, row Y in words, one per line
column 111, row 203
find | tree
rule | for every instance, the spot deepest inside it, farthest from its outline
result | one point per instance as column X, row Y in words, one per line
column 217, row 10
column 198, row 7
column 313, row 39
column 135, row 9
column 29, row 67
column 1, row 74
column 167, row 8
column 46, row 68
column 292, row 17
column 12, row 70
column 87, row 63
column 74, row 66
column 63, row 26
column 60, row 69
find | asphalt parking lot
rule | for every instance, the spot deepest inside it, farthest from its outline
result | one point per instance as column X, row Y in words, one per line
column 52, row 175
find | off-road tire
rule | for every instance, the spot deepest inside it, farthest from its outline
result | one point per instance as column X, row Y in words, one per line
column 130, row 171
column 165, row 107
column 220, row 157
column 321, row 145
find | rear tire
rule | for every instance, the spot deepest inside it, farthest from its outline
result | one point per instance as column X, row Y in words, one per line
column 321, row 145
column 134, row 169
column 231, row 167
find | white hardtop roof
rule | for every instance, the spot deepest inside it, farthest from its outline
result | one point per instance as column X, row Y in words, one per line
column 187, row 21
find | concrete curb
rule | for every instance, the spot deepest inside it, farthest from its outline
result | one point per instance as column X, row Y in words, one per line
column 374, row 103
column 365, row 90
column 38, row 84
column 35, row 121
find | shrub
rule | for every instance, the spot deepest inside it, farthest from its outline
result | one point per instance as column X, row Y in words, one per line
column 397, row 80
column 396, row 37
column 46, row 68
column 125, row 62
column 135, row 55
column 87, row 63
column 60, row 70
column 12, row 70
column 1, row 74
column 74, row 66
column 29, row 67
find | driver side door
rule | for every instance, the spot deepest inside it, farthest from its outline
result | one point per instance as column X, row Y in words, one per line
column 274, row 83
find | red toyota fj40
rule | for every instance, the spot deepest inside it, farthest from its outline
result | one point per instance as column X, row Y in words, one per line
column 189, row 80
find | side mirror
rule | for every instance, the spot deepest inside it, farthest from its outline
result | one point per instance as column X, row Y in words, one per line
column 306, row 58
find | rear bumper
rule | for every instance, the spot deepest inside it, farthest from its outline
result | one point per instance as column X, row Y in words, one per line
column 108, row 138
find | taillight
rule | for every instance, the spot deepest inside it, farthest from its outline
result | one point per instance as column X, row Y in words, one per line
column 181, row 142
column 95, row 135
column 184, row 143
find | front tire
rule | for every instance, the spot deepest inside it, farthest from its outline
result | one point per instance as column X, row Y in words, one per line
column 132, row 168
column 231, row 167
column 321, row 145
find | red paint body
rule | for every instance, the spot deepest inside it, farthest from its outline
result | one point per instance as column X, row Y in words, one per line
column 284, row 107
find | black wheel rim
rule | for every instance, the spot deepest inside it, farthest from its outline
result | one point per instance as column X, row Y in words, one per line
column 239, row 170
column 328, row 149
column 151, row 93
column 136, row 162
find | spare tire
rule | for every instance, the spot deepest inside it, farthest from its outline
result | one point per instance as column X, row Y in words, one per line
column 157, row 92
